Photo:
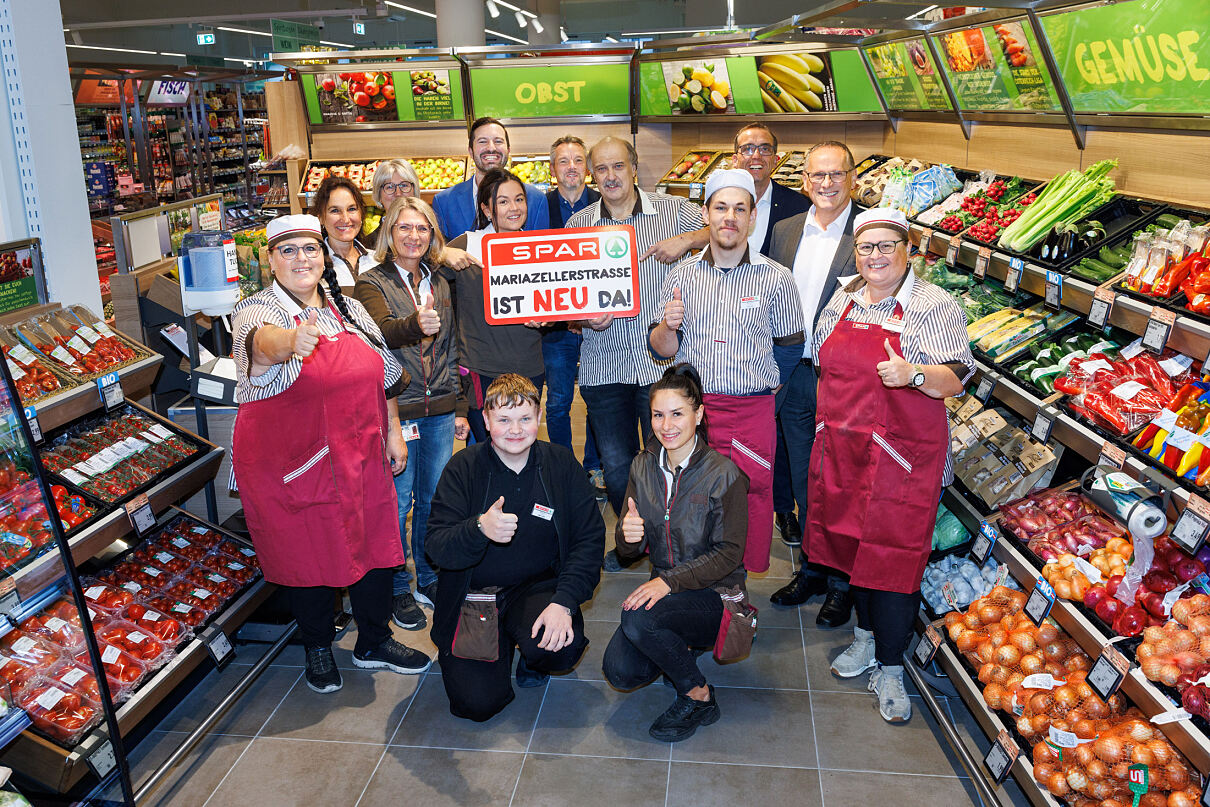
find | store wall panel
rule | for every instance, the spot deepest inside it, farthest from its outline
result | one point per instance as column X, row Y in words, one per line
column 1160, row 165
column 935, row 142
column 654, row 142
column 287, row 115
column 1038, row 152
column 868, row 137
column 446, row 141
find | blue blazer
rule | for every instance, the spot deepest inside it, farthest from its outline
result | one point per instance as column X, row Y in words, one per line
column 455, row 208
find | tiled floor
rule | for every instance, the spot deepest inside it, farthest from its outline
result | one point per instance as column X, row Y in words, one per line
column 791, row 733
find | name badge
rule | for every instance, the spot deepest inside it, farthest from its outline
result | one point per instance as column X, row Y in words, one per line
column 544, row 512
column 411, row 432
column 749, row 302
column 860, row 326
column 893, row 323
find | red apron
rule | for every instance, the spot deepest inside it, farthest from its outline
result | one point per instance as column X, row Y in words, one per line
column 875, row 471
column 313, row 472
column 742, row 428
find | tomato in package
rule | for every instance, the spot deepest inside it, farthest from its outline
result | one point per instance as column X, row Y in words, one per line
column 29, row 649
column 192, row 594
column 237, row 570
column 168, row 561
column 121, row 668
column 244, row 554
column 59, row 711
column 183, row 546
column 54, row 629
column 16, row 673
column 211, row 580
column 105, row 597
column 69, row 673
column 167, row 629
column 189, row 614
column 135, row 641
column 147, row 575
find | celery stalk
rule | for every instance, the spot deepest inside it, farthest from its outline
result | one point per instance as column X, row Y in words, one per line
column 1068, row 198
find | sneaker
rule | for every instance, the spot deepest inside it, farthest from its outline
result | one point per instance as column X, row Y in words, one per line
column 893, row 702
column 682, row 718
column 859, row 656
column 406, row 613
column 391, row 655
column 528, row 678
column 596, row 478
column 611, row 562
column 427, row 595
column 322, row 675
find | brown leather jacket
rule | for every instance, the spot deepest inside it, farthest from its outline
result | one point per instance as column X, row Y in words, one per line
column 697, row 540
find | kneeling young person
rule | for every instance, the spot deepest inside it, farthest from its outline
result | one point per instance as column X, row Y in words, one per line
column 518, row 537
column 686, row 505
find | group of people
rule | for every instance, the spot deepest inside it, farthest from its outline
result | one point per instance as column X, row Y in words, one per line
column 784, row 358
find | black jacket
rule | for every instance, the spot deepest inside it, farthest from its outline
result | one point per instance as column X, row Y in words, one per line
column 697, row 541
column 786, row 202
column 456, row 545
column 555, row 209
column 783, row 244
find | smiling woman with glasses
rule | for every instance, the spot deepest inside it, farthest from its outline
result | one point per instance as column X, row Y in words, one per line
column 885, row 247
column 393, row 179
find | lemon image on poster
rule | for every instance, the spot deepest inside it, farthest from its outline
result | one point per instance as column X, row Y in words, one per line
column 698, row 87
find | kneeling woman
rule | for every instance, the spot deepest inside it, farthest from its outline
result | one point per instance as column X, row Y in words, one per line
column 687, row 506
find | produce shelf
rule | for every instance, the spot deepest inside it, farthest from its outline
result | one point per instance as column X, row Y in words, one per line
column 68, row 405
column 12, row 724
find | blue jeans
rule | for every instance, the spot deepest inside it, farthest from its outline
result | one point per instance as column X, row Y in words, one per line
column 618, row 413
column 427, row 457
column 648, row 642
column 561, row 355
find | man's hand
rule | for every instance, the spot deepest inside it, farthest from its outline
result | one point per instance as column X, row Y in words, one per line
column 600, row 323
column 497, row 525
column 646, row 595
column 896, row 371
column 557, row 621
column 397, row 453
column 306, row 336
column 632, row 523
column 462, row 428
column 458, row 258
column 669, row 251
column 674, row 311
column 427, row 318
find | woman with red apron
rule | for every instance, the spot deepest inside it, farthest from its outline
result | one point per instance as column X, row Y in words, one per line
column 317, row 439
column 891, row 348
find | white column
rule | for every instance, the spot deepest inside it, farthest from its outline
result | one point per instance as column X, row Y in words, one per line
column 40, row 166
column 460, row 23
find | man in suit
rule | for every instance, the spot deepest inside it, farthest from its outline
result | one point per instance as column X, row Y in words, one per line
column 569, row 169
column 818, row 246
column 488, row 148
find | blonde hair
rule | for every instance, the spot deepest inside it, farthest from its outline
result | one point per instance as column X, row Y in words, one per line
column 383, row 249
column 511, row 389
column 389, row 168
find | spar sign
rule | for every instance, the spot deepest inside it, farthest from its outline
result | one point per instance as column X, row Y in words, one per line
column 556, row 275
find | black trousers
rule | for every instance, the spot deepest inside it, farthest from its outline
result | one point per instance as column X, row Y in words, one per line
column 371, row 599
column 478, row 690
column 889, row 615
column 647, row 643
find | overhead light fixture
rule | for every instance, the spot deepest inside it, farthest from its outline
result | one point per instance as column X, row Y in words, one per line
column 563, row 33
column 335, row 44
column 520, row 19
column 492, row 9
column 249, row 31
column 178, row 55
column 115, row 50
column 538, row 25
column 511, row 7
column 244, row 62
column 921, row 12
column 610, row 39
column 413, row 10
column 505, row 36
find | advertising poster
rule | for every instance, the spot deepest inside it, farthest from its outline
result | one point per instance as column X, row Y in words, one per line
column 722, row 86
column 998, row 69
column 796, row 82
column 432, row 94
column 541, row 92
column 334, row 98
column 907, row 75
column 925, row 69
column 17, row 285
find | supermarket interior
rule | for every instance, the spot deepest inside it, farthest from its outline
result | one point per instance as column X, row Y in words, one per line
column 1049, row 158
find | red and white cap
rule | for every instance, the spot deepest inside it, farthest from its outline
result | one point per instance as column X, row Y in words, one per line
column 293, row 226
column 880, row 217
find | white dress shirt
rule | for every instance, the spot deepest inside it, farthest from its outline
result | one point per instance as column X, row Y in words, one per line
column 764, row 206
column 812, row 262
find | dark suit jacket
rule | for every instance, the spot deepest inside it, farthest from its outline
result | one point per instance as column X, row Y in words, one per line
column 783, row 246
column 556, row 211
column 786, row 202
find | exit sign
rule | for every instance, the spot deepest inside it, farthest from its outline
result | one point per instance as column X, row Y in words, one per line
column 359, row 28
column 205, row 39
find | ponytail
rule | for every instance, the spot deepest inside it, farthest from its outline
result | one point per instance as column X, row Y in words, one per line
column 683, row 379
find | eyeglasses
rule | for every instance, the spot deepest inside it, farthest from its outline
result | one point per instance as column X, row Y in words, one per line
column 398, row 187
column 836, row 176
column 290, row 252
column 885, row 247
column 419, row 229
column 764, row 149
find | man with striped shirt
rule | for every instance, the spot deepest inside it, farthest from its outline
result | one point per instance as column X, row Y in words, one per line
column 735, row 315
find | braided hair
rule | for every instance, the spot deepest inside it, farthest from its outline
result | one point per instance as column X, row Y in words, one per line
column 682, row 378
column 332, row 286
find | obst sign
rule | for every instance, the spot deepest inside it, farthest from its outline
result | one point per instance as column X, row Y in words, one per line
column 558, row 275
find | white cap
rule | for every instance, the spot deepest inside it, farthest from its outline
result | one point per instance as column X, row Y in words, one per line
column 292, row 226
column 887, row 217
column 730, row 178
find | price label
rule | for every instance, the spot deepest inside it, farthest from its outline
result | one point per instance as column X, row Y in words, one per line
column 985, row 540
column 1013, row 279
column 1054, row 290
column 1189, row 532
column 1099, row 310
column 984, row 391
column 9, row 598
column 35, row 428
column 1108, row 672
column 1159, row 327
column 969, row 408
column 1044, row 423
column 926, row 648
column 999, row 760
column 1040, row 601
column 981, row 262
column 926, row 240
column 111, row 390
column 142, row 518
column 951, row 254
column 102, row 760
column 696, row 191
column 219, row 646
column 1111, row 455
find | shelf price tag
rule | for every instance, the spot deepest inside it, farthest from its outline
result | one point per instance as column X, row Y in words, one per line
column 1100, row 308
column 1044, row 423
column 1108, row 672
column 218, row 645
column 1189, row 532
column 951, row 254
column 981, row 262
column 111, row 390
column 1013, row 279
column 984, row 391
column 9, row 598
column 926, row 239
column 1159, row 327
column 696, row 191
column 1111, row 455
column 1040, row 601
column 999, row 760
column 985, row 540
column 142, row 518
column 1054, row 290
column 926, row 648
column 35, row 428
column 102, row 759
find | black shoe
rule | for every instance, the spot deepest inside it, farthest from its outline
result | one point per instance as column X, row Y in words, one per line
column 801, row 588
column 527, row 678
column 683, row 717
column 427, row 595
column 611, row 562
column 406, row 613
column 391, row 655
column 791, row 532
column 596, row 478
column 322, row 675
column 836, row 609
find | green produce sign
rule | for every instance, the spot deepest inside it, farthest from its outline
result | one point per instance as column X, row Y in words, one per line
column 907, row 75
column 1150, row 56
column 854, row 92
column 700, row 87
column 998, row 69
column 383, row 97
column 546, row 92
column 289, row 37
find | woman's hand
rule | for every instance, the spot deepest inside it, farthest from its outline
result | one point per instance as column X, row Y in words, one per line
column 462, row 428
column 427, row 317
column 896, row 371
column 632, row 523
column 647, row 595
column 458, row 258
column 557, row 621
column 397, row 452
column 306, row 336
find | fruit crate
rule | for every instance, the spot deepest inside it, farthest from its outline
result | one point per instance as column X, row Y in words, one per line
column 435, row 173
column 692, row 166
column 531, row 168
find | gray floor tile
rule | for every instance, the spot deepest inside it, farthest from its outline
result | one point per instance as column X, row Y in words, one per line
column 192, row 781
column 776, row 662
column 589, row 668
column 368, row 709
column 758, row 726
column 555, row 781
column 693, row 784
column 606, row 604
column 275, row 771
column 246, row 716
column 429, row 723
column 591, row 718
column 771, row 616
column 902, row 791
column 823, row 646
column 439, row 778
column 853, row 736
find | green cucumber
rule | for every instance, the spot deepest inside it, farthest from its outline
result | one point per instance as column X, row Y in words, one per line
column 1168, row 220
column 1100, row 267
column 1112, row 258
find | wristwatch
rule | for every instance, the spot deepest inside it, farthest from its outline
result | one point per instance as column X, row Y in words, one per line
column 917, row 379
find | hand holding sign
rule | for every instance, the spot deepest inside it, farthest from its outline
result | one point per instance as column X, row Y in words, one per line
column 497, row 525
column 674, row 311
column 306, row 336
column 895, row 371
column 427, row 318
column 632, row 523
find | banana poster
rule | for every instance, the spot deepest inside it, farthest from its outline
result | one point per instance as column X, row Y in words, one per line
column 796, row 82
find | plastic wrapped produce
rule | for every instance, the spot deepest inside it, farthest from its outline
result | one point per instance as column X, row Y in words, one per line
column 58, row 711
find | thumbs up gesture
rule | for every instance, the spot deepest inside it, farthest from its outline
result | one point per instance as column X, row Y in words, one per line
column 428, row 318
column 632, row 523
column 674, row 311
column 497, row 525
column 896, row 371
column 306, row 336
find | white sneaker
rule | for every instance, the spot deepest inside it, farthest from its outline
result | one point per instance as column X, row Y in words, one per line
column 893, row 702
column 858, row 658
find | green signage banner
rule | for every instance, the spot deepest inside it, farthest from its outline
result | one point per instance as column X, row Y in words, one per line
column 534, row 92
column 854, row 92
column 381, row 97
column 998, row 69
column 1149, row 56
column 904, row 87
column 289, row 37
